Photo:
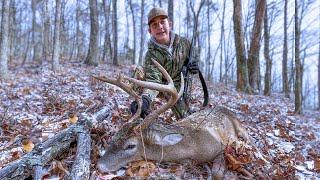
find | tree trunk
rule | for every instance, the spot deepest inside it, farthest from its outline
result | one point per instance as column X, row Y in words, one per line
column 188, row 19
column 319, row 77
column 242, row 68
column 4, row 40
column 142, row 33
column 285, row 85
column 208, row 64
column 160, row 3
column 78, row 39
column 253, row 55
column 12, row 30
column 115, row 33
column 33, row 40
column 56, row 38
column 170, row 11
column 267, row 76
column 64, row 42
column 93, row 52
column 222, row 44
column 46, row 31
column 134, row 32
column 297, row 85
column 196, row 33
column 107, row 50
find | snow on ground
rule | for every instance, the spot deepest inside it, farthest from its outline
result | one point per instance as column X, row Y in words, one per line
column 36, row 103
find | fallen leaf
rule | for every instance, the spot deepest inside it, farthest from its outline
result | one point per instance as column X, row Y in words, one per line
column 140, row 168
column 27, row 145
column 244, row 108
column 317, row 165
column 58, row 169
column 73, row 119
column 26, row 122
column 16, row 155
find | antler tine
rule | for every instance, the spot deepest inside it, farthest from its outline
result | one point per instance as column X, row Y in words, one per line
column 127, row 88
column 169, row 88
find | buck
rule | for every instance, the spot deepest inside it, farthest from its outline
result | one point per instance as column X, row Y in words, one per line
column 200, row 137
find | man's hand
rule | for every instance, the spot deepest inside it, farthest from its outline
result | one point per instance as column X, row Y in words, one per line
column 146, row 101
column 193, row 67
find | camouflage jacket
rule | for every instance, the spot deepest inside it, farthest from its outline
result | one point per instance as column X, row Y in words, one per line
column 171, row 57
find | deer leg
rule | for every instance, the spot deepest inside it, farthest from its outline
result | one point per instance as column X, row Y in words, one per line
column 218, row 167
column 209, row 172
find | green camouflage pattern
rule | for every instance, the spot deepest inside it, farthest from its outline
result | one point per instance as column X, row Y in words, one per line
column 172, row 60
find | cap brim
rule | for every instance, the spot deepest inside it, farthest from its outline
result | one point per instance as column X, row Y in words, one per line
column 155, row 17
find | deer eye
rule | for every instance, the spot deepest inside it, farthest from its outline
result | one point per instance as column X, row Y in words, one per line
column 130, row 146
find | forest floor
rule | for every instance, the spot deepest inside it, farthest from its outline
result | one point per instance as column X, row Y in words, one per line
column 36, row 103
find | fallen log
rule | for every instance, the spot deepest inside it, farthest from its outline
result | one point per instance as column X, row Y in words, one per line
column 44, row 152
column 22, row 168
column 81, row 166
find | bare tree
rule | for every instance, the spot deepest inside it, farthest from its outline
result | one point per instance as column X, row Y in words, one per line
column 46, row 31
column 12, row 30
column 107, row 50
column 222, row 43
column 4, row 40
column 160, row 3
column 253, row 55
column 267, row 80
column 242, row 68
column 142, row 32
column 285, row 85
column 298, row 80
column 78, row 32
column 319, row 77
column 209, row 41
column 56, row 38
column 196, row 33
column 93, row 52
column 134, row 31
column 34, row 29
column 115, row 33
column 170, row 11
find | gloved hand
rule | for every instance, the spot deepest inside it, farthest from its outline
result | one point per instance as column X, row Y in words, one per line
column 146, row 101
column 193, row 67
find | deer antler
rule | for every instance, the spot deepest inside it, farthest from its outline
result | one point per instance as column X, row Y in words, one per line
column 127, row 88
column 169, row 88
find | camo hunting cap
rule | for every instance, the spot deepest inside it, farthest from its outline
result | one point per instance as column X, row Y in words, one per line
column 155, row 12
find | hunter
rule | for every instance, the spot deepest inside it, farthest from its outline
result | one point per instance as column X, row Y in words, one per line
column 172, row 52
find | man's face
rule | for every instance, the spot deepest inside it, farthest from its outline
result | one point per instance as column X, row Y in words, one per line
column 160, row 29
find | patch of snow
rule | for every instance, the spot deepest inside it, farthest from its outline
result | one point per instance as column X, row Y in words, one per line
column 276, row 132
column 303, row 169
column 291, row 133
column 272, row 136
column 308, row 146
column 288, row 121
column 6, row 153
column 310, row 165
column 121, row 172
column 285, row 146
column 269, row 141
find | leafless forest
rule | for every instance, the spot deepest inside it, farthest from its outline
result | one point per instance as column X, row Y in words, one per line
column 258, row 50
column 276, row 49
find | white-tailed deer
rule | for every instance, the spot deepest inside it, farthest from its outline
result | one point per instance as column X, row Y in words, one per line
column 200, row 137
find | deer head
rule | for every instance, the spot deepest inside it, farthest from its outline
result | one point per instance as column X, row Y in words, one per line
column 129, row 143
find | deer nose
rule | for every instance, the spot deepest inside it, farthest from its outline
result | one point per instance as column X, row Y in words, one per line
column 102, row 167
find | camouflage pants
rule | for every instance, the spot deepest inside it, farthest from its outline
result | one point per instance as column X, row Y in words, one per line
column 180, row 109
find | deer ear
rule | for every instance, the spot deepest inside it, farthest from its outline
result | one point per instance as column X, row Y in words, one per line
column 168, row 140
column 172, row 139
